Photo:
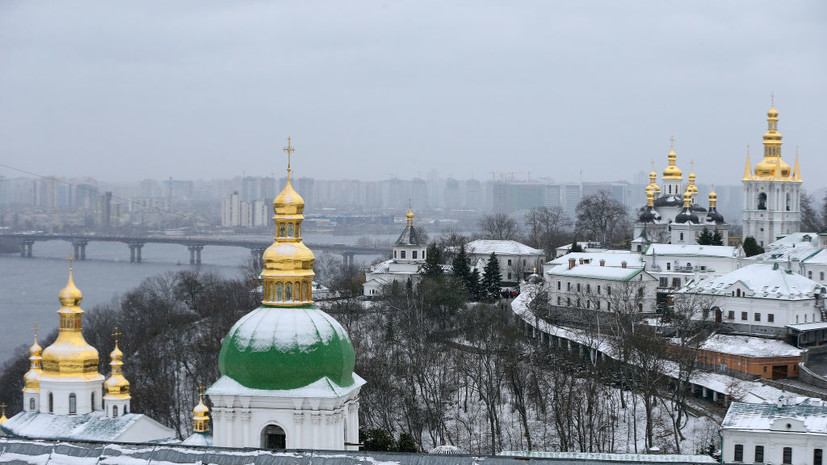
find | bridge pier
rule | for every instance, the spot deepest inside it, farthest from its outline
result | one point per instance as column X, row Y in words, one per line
column 26, row 250
column 135, row 252
column 258, row 254
column 195, row 254
column 80, row 249
column 347, row 257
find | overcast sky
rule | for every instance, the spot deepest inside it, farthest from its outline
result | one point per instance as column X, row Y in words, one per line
column 123, row 91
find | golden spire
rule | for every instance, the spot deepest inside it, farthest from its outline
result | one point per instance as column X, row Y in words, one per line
column 797, row 169
column 288, row 263
column 410, row 214
column 201, row 413
column 653, row 180
column 70, row 355
column 650, row 197
column 672, row 171
column 748, row 168
column 687, row 198
column 32, row 377
column 772, row 167
column 117, row 387
column 692, row 188
column 3, row 414
column 713, row 197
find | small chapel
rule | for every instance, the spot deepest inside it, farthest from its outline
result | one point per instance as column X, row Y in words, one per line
column 65, row 397
column 287, row 379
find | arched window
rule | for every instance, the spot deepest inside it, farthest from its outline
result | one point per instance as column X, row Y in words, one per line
column 279, row 292
column 289, row 229
column 298, row 287
column 288, row 292
column 125, row 409
column 93, row 401
column 273, row 437
column 51, row 403
column 737, row 292
column 281, row 230
column 73, row 403
column 31, row 404
column 762, row 201
column 305, row 295
column 681, row 236
column 114, row 411
column 788, row 201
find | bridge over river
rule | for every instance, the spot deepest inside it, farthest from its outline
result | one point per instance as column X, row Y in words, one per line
column 194, row 243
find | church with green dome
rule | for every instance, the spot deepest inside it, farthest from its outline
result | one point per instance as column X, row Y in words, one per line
column 287, row 379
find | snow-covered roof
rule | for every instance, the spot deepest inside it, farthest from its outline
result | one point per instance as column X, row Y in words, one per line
column 595, row 271
column 793, row 238
column 604, row 456
column 95, row 426
column 788, row 251
column 766, row 281
column 809, row 326
column 693, row 250
column 818, row 258
column 17, row 451
column 324, row 388
column 198, row 439
column 409, row 237
column 749, row 346
column 610, row 258
column 812, row 413
column 486, row 246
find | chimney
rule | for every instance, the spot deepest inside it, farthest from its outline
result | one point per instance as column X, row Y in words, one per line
column 602, row 262
column 581, row 260
column 623, row 264
column 571, row 263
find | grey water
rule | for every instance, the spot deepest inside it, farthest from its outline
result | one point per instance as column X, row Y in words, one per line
column 29, row 286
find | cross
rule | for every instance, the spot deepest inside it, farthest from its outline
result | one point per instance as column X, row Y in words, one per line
column 692, row 166
column 70, row 259
column 672, row 142
column 653, row 164
column 116, row 334
column 200, row 389
column 772, row 98
column 35, row 328
column 289, row 151
column 3, row 406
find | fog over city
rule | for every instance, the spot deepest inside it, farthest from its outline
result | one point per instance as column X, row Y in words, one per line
column 369, row 90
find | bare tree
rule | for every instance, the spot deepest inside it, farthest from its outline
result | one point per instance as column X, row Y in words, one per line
column 499, row 227
column 547, row 228
column 599, row 215
column 811, row 219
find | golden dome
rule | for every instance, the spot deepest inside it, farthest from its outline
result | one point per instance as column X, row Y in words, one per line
column 288, row 263
column 410, row 216
column 687, row 199
column 672, row 171
column 116, row 385
column 201, row 416
column 772, row 113
column 772, row 167
column 32, row 377
column 70, row 355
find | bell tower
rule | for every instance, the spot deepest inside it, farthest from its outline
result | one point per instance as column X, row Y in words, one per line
column 772, row 192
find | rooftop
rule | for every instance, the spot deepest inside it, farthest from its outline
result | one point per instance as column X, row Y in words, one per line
column 767, row 281
column 486, row 246
column 761, row 416
column 694, row 250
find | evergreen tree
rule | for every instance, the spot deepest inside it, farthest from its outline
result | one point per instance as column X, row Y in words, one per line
column 575, row 247
column 717, row 238
column 475, row 285
column 377, row 439
column 407, row 443
column 491, row 278
column 460, row 268
column 705, row 237
column 433, row 258
column 751, row 247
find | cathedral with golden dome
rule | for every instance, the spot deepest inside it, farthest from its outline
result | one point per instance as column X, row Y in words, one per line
column 62, row 392
column 672, row 214
column 772, row 190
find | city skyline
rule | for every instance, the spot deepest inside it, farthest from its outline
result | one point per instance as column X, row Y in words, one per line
column 194, row 90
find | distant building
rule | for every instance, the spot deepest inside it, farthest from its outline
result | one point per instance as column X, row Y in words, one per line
column 804, row 253
column 516, row 260
column 408, row 257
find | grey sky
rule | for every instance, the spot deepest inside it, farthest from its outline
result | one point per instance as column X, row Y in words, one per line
column 126, row 91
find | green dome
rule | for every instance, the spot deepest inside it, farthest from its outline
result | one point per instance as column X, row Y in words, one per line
column 287, row 348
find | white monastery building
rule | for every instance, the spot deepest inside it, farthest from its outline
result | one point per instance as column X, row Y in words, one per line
column 408, row 257
column 516, row 260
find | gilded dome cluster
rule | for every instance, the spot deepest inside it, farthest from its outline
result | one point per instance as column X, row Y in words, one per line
column 772, row 167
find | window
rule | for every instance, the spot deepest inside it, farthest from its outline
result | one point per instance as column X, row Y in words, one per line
column 578, row 287
column 93, row 401
column 394, row 254
column 568, row 286
column 759, row 454
column 588, row 303
column 739, row 453
column 114, row 411
column 401, row 254
column 817, row 456
column 31, row 404
column 821, row 275
column 788, row 455
column 609, row 306
column 423, row 255
column 568, row 301
column 668, row 266
column 413, row 254
column 559, row 299
column 770, row 317
column 676, row 282
column 810, row 274
column 744, row 316
column 273, row 437
column 588, row 287
column 559, row 284
column 598, row 305
column 731, row 315
column 288, row 292
column 51, row 403
column 509, row 262
column 737, row 292
column 598, row 288
column 73, row 403
column 681, row 236
column 664, row 282
column 509, row 275
column 757, row 317
column 609, row 290
column 290, row 230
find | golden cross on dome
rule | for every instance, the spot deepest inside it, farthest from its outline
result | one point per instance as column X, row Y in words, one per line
column 772, row 98
column 3, row 406
column 116, row 334
column 70, row 259
column 652, row 161
column 692, row 165
column 35, row 328
column 672, row 142
column 289, row 149
column 200, row 389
